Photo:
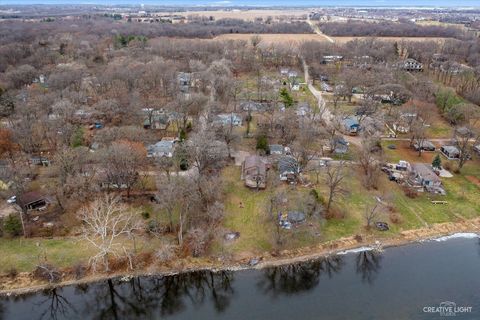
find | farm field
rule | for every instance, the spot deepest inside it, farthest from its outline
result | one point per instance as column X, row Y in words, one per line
column 297, row 38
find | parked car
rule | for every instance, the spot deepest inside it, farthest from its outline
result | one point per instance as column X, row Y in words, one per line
column 12, row 199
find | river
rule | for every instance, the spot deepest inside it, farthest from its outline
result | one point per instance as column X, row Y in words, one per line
column 406, row 282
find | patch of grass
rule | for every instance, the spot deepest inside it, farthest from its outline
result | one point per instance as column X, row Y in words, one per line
column 25, row 254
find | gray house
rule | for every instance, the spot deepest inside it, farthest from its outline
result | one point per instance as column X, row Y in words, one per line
column 288, row 168
column 276, row 149
column 423, row 174
column 162, row 148
column 157, row 121
column 184, row 81
column 424, row 145
column 227, row 119
column 450, row 152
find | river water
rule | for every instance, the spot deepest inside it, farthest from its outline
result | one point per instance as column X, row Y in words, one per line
column 407, row 282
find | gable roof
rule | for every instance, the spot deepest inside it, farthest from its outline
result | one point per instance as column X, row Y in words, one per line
column 288, row 164
column 425, row 172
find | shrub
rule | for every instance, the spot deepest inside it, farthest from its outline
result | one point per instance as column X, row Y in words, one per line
column 437, row 162
column 358, row 238
column 12, row 273
column 12, row 225
column 395, row 218
column 165, row 254
column 262, row 144
column 145, row 215
column 411, row 193
column 47, row 272
column 79, row 271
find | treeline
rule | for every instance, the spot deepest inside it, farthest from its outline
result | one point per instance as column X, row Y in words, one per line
column 354, row 28
column 12, row 31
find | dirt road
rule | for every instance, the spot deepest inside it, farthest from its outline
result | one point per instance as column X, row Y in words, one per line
column 317, row 30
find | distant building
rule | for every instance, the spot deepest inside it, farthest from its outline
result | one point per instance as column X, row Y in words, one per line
column 410, row 65
column 331, row 59
column 227, row 119
column 184, row 81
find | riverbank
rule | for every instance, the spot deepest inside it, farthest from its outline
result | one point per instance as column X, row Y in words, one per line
column 24, row 284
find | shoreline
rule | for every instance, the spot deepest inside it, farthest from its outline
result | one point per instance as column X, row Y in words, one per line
column 437, row 232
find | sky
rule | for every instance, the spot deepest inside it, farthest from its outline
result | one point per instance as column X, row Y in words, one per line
column 260, row 3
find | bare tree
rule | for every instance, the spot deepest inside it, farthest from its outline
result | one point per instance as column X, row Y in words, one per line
column 105, row 221
column 122, row 163
column 204, row 152
column 369, row 157
column 334, row 179
column 371, row 214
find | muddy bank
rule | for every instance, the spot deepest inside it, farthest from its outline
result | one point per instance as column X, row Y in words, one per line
column 23, row 282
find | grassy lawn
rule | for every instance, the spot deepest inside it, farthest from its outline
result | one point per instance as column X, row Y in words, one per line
column 462, row 194
column 24, row 254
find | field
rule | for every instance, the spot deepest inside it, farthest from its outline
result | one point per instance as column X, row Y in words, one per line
column 297, row 38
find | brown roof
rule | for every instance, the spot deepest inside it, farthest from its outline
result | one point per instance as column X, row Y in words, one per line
column 30, row 197
column 255, row 162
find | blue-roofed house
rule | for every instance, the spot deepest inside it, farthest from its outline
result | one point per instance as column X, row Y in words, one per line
column 351, row 125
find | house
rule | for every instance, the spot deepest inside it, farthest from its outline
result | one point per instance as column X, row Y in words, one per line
column 163, row 148
column 410, row 65
column 450, row 152
column 227, row 119
column 340, row 145
column 254, row 106
column 404, row 122
column 292, row 74
column 157, row 121
column 32, row 201
column 331, row 59
column 303, row 109
column 41, row 161
column 288, row 168
column 351, row 125
column 423, row 175
column 424, row 145
column 326, row 87
column 276, row 149
column 254, row 172
column 477, row 148
column 294, row 84
column 184, row 80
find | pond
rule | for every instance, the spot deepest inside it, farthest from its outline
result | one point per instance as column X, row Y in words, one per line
column 407, row 282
